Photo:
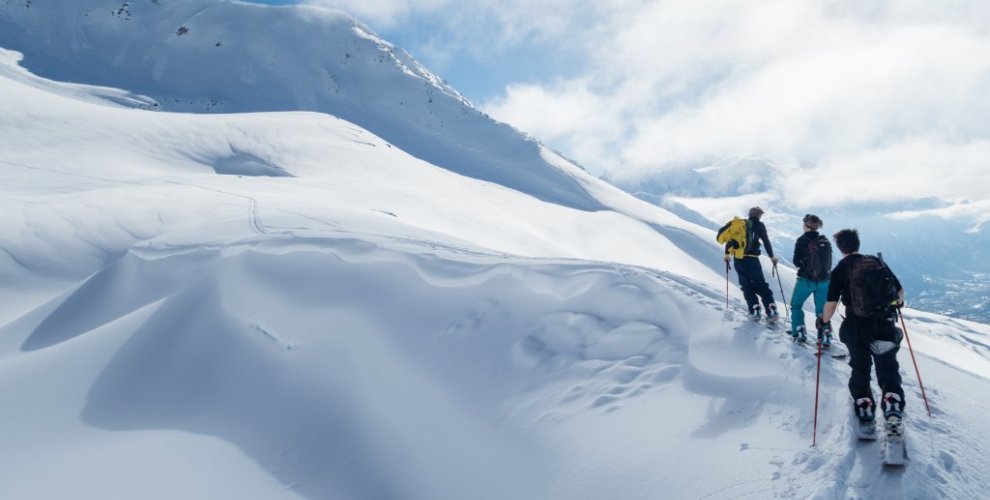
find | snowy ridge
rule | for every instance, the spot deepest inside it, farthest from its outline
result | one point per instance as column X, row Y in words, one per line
column 207, row 56
column 330, row 175
column 408, row 63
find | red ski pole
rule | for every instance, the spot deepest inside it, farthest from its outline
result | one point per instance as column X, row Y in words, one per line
column 916, row 372
column 818, row 376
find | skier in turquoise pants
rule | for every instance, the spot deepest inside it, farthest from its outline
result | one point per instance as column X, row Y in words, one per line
column 803, row 289
column 813, row 259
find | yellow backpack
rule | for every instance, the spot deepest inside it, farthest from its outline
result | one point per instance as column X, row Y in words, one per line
column 733, row 233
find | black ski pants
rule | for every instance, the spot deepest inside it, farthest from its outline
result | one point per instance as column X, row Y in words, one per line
column 752, row 282
column 872, row 341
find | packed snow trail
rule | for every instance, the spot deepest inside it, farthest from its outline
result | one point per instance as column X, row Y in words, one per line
column 841, row 466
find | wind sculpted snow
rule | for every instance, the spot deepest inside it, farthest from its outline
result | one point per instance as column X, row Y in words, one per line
column 343, row 368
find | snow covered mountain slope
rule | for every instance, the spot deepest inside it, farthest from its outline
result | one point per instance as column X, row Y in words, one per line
column 276, row 173
column 287, row 305
column 222, row 56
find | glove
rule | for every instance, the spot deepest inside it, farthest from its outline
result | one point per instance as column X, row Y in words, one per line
column 774, row 260
column 727, row 257
column 899, row 304
column 821, row 325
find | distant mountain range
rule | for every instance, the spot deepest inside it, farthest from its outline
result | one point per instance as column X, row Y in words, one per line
column 943, row 262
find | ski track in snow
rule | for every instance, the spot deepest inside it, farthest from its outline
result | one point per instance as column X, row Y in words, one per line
column 840, row 466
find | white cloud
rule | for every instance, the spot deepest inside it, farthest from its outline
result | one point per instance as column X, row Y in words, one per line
column 908, row 169
column 572, row 117
column 861, row 89
column 977, row 212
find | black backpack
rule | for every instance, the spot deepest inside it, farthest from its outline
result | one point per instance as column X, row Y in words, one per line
column 872, row 288
column 817, row 263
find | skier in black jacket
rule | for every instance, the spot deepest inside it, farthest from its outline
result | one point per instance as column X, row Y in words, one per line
column 869, row 339
column 813, row 259
column 754, row 285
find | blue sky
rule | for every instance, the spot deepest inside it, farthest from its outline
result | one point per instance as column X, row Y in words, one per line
column 867, row 89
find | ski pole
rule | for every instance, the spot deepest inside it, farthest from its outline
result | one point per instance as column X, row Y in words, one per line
column 818, row 376
column 726, row 286
column 913, row 360
column 782, row 296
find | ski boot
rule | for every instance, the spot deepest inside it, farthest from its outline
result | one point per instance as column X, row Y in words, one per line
column 799, row 334
column 754, row 314
column 772, row 314
column 891, row 405
column 866, row 429
column 824, row 332
column 825, row 336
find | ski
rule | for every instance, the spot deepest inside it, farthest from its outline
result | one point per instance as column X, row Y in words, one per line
column 770, row 320
column 766, row 322
column 835, row 351
column 894, row 451
column 865, row 431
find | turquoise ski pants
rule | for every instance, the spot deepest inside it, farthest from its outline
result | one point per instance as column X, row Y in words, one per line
column 802, row 289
